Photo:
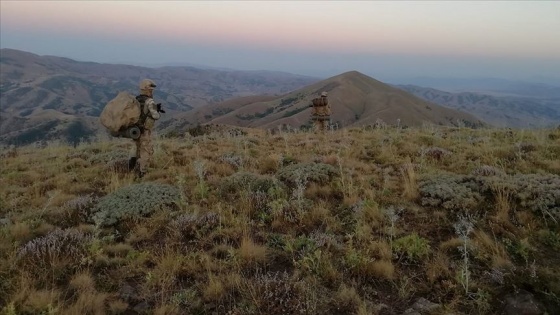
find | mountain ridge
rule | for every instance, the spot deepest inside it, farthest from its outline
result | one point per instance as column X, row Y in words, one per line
column 38, row 89
column 501, row 111
column 356, row 100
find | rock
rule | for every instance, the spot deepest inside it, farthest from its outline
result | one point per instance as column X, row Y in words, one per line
column 522, row 303
column 422, row 306
column 5, row 222
column 142, row 308
column 128, row 293
column 382, row 309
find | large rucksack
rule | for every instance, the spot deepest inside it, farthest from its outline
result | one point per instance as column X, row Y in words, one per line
column 123, row 116
column 321, row 106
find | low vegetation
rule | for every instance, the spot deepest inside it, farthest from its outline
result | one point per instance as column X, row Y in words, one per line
column 356, row 221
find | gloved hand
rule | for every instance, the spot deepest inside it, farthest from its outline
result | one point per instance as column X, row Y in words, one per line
column 159, row 108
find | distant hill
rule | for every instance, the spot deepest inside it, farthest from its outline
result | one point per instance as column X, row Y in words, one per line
column 46, row 97
column 490, row 86
column 501, row 111
column 356, row 100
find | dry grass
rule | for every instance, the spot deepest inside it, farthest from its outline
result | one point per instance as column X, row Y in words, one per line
column 326, row 246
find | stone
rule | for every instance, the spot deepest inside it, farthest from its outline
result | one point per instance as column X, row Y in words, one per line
column 422, row 306
column 522, row 303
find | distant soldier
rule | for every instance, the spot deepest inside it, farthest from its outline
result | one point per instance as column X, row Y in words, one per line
column 321, row 114
column 150, row 113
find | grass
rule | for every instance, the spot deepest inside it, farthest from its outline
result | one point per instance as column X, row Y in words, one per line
column 291, row 223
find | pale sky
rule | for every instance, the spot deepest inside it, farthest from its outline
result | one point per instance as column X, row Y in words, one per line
column 387, row 40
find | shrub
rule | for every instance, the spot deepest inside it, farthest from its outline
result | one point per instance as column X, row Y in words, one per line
column 120, row 165
column 58, row 251
column 250, row 182
column 487, row 170
column 105, row 158
column 313, row 172
column 232, row 159
column 192, row 225
column 81, row 206
column 450, row 191
column 412, row 246
column 435, row 153
column 279, row 294
column 539, row 192
column 133, row 201
column 550, row 238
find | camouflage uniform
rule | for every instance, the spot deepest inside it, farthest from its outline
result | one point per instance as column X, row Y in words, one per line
column 321, row 114
column 144, row 148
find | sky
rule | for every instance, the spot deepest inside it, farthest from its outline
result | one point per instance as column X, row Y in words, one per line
column 388, row 40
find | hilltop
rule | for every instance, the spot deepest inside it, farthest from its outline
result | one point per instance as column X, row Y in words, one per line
column 430, row 220
column 356, row 100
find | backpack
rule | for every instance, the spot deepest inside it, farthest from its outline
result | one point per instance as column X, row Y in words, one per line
column 124, row 115
column 320, row 106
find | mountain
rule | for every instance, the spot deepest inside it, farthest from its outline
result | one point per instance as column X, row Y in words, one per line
column 490, row 86
column 356, row 100
column 45, row 97
column 502, row 111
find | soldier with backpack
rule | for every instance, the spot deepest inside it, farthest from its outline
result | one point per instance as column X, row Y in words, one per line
column 321, row 114
column 150, row 112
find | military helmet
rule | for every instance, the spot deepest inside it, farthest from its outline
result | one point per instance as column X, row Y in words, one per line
column 147, row 84
column 323, row 93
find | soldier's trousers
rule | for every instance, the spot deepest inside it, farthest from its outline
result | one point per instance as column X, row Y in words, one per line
column 144, row 151
column 320, row 124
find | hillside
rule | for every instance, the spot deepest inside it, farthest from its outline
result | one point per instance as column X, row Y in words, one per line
column 537, row 111
column 431, row 220
column 356, row 100
column 38, row 92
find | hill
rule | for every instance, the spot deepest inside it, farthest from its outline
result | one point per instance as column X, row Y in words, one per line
column 541, row 108
column 356, row 100
column 39, row 92
column 435, row 220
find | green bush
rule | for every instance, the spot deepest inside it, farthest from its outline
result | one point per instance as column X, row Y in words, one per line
column 539, row 192
column 134, row 201
column 412, row 247
column 310, row 172
column 249, row 182
column 450, row 191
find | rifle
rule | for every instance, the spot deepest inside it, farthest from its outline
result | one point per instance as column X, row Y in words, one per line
column 159, row 109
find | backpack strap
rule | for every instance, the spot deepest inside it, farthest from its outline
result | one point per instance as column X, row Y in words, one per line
column 143, row 113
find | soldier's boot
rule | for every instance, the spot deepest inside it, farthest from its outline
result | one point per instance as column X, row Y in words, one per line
column 132, row 163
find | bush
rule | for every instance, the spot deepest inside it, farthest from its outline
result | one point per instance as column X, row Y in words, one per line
column 81, row 206
column 279, row 294
column 105, row 158
column 450, row 191
column 435, row 153
column 232, row 159
column 487, row 170
column 538, row 192
column 412, row 247
column 310, row 172
column 133, row 201
column 59, row 249
column 195, row 225
column 249, row 182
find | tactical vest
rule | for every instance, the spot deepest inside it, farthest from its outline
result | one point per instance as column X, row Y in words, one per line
column 320, row 106
column 143, row 111
column 320, row 101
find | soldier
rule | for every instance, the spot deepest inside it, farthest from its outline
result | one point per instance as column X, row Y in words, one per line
column 321, row 114
column 150, row 113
